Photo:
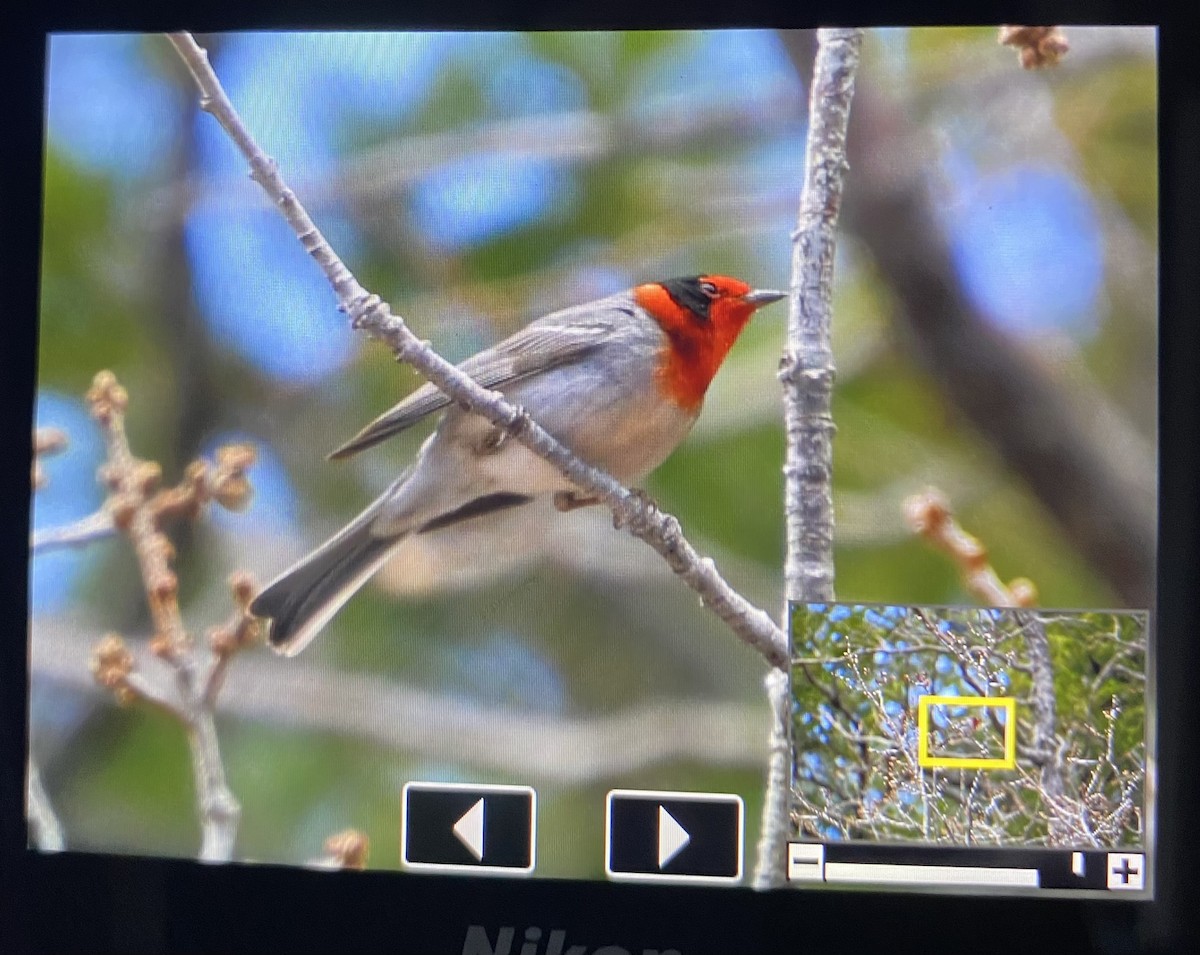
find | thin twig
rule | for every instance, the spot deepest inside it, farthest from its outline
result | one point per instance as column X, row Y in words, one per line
column 1037, row 46
column 227, row 640
column 371, row 314
column 45, row 831
column 114, row 667
column 349, row 849
column 82, row 532
column 203, row 482
column 136, row 507
column 45, row 441
column 138, row 510
column 929, row 515
column 132, row 481
column 807, row 373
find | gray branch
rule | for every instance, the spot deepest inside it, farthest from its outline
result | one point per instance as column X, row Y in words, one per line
column 807, row 373
column 372, row 315
column 220, row 811
column 770, row 866
column 422, row 724
column 82, row 532
column 807, row 370
column 45, row 831
column 218, row 808
column 1043, row 750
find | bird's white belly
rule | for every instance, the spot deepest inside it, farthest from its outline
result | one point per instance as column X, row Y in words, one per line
column 610, row 414
column 626, row 441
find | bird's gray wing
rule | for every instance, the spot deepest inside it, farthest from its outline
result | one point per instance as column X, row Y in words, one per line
column 549, row 342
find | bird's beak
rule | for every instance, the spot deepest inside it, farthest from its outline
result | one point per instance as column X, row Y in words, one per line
column 759, row 297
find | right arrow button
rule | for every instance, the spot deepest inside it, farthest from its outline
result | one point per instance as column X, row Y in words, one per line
column 675, row 836
column 672, row 837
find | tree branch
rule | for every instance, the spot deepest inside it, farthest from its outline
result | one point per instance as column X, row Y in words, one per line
column 369, row 313
column 45, row 831
column 348, row 849
column 770, row 865
column 422, row 724
column 1044, row 699
column 807, row 370
column 581, row 137
column 139, row 509
column 82, row 532
column 807, row 373
column 930, row 516
column 45, row 441
column 197, row 488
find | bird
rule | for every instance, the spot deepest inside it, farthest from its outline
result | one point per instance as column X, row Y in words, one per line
column 620, row 381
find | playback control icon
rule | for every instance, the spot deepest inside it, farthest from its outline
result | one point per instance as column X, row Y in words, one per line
column 465, row 828
column 673, row 836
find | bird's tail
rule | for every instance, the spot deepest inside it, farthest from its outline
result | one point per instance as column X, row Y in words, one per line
column 301, row 600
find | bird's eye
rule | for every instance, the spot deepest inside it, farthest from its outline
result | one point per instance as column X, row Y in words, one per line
column 708, row 289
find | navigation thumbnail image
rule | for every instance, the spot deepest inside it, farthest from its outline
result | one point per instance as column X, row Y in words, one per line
column 969, row 726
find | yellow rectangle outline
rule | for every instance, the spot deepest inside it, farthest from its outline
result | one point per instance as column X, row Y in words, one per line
column 1006, row 703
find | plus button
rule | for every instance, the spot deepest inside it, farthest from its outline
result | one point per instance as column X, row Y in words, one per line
column 1126, row 870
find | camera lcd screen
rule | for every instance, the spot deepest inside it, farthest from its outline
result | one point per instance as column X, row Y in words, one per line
column 288, row 607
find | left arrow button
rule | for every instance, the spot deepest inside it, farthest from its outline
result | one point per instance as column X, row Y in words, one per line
column 468, row 827
column 469, row 830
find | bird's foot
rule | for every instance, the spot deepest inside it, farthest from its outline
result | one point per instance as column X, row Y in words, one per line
column 565, row 501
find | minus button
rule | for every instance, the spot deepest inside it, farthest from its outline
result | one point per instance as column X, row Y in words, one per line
column 806, row 862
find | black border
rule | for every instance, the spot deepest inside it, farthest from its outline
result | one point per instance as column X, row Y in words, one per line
column 99, row 903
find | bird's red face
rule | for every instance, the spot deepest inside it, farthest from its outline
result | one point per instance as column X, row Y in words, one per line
column 702, row 317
